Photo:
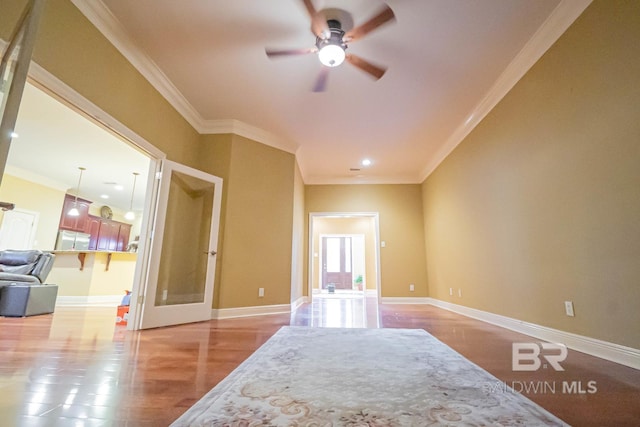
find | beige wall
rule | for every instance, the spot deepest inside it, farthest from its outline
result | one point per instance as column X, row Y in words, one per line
column 46, row 201
column 402, row 261
column 73, row 50
column 297, row 245
column 258, row 210
column 356, row 225
column 541, row 203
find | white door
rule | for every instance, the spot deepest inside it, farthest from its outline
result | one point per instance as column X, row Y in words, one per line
column 182, row 262
column 18, row 229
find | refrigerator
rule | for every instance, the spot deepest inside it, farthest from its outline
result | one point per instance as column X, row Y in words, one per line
column 72, row 241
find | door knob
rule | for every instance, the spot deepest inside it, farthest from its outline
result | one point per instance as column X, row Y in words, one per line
column 210, row 252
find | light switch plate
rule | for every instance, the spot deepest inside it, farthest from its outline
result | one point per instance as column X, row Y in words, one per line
column 568, row 308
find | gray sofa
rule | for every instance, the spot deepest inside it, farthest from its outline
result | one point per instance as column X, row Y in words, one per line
column 23, row 291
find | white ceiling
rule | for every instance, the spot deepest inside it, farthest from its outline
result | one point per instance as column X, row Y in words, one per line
column 449, row 62
column 54, row 141
column 445, row 60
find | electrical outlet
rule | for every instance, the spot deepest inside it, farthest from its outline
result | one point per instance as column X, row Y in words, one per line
column 412, row 287
column 383, row 244
column 451, row 291
column 164, row 295
column 568, row 308
column 459, row 293
column 261, row 292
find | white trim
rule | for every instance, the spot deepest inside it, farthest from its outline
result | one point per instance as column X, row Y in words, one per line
column 605, row 350
column 376, row 219
column 246, row 130
column 261, row 310
column 34, row 177
column 404, row 300
column 297, row 303
column 102, row 18
column 549, row 32
column 89, row 301
column 61, row 91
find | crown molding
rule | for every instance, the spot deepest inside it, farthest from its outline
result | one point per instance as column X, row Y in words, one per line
column 549, row 32
column 364, row 180
column 246, row 130
column 102, row 18
column 35, row 178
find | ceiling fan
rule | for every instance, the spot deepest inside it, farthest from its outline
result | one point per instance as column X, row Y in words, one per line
column 332, row 38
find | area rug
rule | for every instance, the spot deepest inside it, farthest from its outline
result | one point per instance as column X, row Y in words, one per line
column 360, row 377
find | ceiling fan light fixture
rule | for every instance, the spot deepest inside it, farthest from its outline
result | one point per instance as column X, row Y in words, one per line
column 331, row 55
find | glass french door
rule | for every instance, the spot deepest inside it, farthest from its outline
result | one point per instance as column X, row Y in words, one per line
column 182, row 262
column 336, row 262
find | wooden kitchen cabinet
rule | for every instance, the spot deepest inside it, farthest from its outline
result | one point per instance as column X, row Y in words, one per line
column 112, row 236
column 108, row 235
column 93, row 229
column 74, row 223
column 123, row 237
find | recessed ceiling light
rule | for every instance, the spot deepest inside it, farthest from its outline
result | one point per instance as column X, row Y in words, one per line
column 104, row 196
column 118, row 187
column 14, row 135
column 366, row 162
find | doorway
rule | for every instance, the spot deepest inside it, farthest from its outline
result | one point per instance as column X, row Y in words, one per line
column 56, row 133
column 344, row 269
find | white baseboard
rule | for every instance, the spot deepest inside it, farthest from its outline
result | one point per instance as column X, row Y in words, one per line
column 297, row 303
column 261, row 310
column 404, row 300
column 605, row 350
column 89, row 301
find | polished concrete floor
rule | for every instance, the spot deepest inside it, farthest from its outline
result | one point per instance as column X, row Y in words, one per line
column 77, row 368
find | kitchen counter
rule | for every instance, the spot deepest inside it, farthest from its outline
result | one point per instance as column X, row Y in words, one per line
column 90, row 274
column 82, row 255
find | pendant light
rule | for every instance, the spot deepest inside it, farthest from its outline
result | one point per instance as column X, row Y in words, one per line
column 130, row 216
column 74, row 210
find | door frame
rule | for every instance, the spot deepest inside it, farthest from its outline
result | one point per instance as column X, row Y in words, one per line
column 310, row 269
column 60, row 91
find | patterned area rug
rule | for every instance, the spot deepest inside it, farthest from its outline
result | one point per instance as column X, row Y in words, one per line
column 360, row 377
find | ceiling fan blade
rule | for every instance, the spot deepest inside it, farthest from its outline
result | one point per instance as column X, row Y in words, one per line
column 289, row 52
column 385, row 15
column 319, row 25
column 321, row 81
column 366, row 66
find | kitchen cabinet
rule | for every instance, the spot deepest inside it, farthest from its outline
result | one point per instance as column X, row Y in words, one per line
column 108, row 235
column 93, row 229
column 112, row 236
column 74, row 223
column 123, row 236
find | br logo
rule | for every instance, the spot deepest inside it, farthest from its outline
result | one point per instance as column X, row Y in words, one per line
column 526, row 356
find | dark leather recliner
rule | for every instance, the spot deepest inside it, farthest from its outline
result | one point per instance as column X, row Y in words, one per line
column 22, row 288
